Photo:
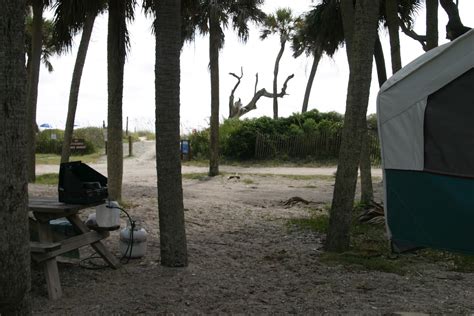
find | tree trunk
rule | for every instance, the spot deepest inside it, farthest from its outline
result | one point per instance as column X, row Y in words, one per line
column 275, row 78
column 115, row 64
column 15, row 263
column 391, row 9
column 32, row 86
column 360, row 63
column 380, row 61
column 431, row 24
column 347, row 14
column 316, row 58
column 366, row 189
column 168, row 162
column 214, row 34
column 75, row 85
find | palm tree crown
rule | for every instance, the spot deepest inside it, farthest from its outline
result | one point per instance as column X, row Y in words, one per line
column 282, row 23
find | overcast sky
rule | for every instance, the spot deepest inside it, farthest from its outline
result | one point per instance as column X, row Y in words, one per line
column 256, row 56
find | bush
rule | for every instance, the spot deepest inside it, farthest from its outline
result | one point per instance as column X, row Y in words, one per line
column 50, row 141
column 199, row 144
column 238, row 137
column 93, row 139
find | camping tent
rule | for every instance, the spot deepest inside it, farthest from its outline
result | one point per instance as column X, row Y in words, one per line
column 426, row 126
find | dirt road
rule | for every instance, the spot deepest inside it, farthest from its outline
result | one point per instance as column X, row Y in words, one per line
column 142, row 166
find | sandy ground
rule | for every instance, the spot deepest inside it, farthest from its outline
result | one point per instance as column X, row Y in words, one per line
column 243, row 258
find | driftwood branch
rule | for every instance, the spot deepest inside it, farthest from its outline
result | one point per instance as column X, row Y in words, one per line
column 411, row 33
column 454, row 28
column 239, row 111
column 231, row 97
column 256, row 83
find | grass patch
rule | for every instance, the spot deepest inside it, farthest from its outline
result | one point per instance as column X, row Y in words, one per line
column 195, row 176
column 48, row 178
column 317, row 222
column 52, row 159
column 248, row 181
column 370, row 249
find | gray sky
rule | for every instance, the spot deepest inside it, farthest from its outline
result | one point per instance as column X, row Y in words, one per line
column 328, row 93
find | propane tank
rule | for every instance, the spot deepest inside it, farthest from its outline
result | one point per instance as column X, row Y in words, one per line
column 133, row 246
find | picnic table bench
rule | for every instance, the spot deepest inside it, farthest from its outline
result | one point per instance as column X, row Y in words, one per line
column 46, row 250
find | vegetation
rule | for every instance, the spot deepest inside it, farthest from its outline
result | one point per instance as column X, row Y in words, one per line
column 51, row 141
column 369, row 249
column 48, row 178
column 238, row 137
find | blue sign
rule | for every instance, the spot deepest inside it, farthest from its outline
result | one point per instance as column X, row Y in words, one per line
column 185, row 147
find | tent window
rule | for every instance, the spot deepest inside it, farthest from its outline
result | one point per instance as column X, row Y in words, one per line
column 449, row 128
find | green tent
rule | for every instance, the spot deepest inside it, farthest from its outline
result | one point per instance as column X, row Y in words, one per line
column 426, row 126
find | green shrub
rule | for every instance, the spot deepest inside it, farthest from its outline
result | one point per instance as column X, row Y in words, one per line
column 238, row 137
column 51, row 141
column 199, row 144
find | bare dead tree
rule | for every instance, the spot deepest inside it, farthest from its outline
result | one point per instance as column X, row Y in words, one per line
column 231, row 97
column 236, row 110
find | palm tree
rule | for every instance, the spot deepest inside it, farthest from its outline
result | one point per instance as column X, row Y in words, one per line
column 49, row 45
column 14, row 237
column 70, row 18
column 318, row 31
column 168, row 163
column 283, row 24
column 32, row 81
column 117, row 42
column 361, row 31
column 212, row 17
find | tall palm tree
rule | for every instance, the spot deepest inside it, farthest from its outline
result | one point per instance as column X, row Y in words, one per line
column 361, row 43
column 70, row 18
column 14, row 237
column 32, row 81
column 212, row 17
column 49, row 45
column 117, row 42
column 316, row 32
column 283, row 24
column 168, row 163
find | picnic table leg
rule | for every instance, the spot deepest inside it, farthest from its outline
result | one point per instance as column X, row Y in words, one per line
column 98, row 246
column 50, row 266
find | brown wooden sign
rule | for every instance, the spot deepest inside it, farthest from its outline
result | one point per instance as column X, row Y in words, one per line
column 78, row 144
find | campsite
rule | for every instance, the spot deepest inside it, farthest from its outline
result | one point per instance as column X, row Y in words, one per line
column 304, row 157
column 249, row 255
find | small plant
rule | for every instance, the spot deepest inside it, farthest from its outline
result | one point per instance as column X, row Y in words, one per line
column 48, row 178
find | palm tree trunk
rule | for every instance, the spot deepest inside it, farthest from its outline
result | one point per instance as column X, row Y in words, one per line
column 366, row 190
column 431, row 24
column 316, row 58
column 214, row 65
column 391, row 9
column 380, row 61
column 32, row 85
column 115, row 65
column 75, row 85
column 168, row 162
column 15, row 263
column 362, row 50
column 275, row 78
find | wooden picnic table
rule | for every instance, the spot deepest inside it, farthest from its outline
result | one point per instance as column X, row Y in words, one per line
column 46, row 250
